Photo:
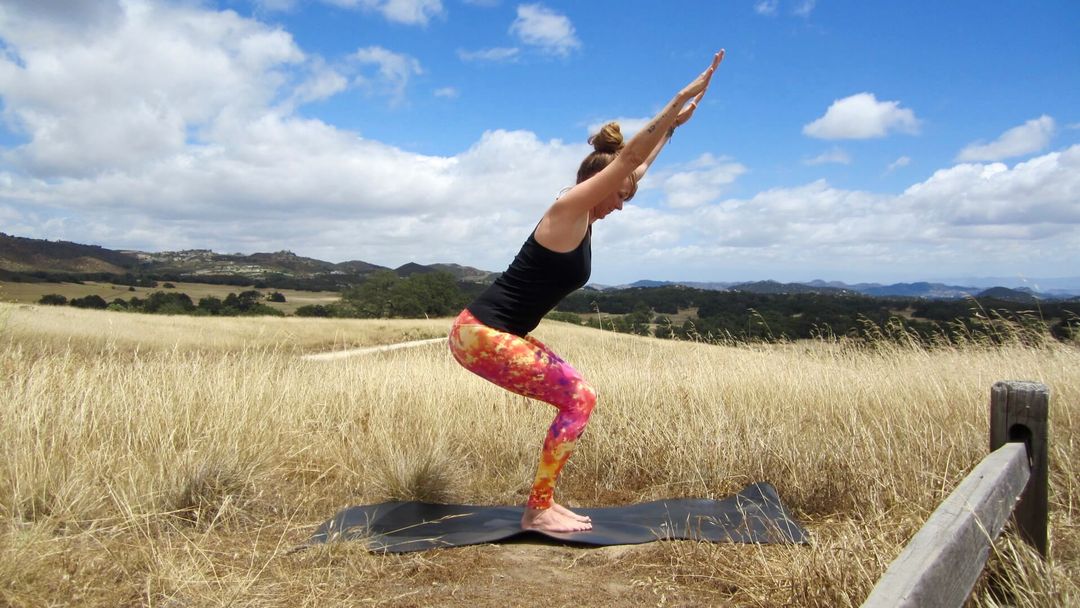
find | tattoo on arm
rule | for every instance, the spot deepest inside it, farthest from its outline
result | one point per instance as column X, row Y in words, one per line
column 671, row 107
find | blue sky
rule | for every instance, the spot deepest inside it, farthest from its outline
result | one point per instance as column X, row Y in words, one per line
column 853, row 141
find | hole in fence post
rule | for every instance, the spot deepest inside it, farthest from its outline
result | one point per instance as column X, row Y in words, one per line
column 1019, row 433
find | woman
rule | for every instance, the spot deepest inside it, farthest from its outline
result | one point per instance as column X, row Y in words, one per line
column 490, row 337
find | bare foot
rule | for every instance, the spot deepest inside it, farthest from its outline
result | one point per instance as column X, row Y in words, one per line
column 563, row 510
column 550, row 520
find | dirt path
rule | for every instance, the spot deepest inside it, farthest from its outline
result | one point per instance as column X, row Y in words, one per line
column 527, row 573
column 367, row 350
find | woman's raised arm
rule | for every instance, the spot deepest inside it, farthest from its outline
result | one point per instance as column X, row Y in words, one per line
column 645, row 141
column 684, row 115
column 640, row 150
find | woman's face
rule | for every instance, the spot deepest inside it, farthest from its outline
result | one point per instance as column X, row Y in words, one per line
column 615, row 201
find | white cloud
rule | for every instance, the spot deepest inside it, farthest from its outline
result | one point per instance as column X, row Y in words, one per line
column 1043, row 190
column 804, row 8
column 413, row 12
column 408, row 12
column 833, row 155
column 323, row 82
column 170, row 131
column 281, row 182
column 1032, row 136
column 972, row 217
column 394, row 70
column 447, row 93
column 539, row 26
column 635, row 231
column 131, row 93
column 9, row 215
column 862, row 116
column 493, row 54
column 767, row 7
column 74, row 15
column 903, row 161
column 697, row 183
column 771, row 8
column 170, row 128
column 812, row 216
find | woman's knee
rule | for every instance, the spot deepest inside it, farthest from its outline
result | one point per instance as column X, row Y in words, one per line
column 585, row 398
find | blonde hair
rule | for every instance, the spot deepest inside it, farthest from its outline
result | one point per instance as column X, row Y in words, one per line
column 606, row 146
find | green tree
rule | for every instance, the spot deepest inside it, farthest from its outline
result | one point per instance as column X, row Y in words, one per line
column 53, row 299
column 210, row 305
column 91, row 301
column 232, row 303
column 372, row 298
column 433, row 294
column 664, row 327
column 163, row 303
column 383, row 294
column 249, row 298
column 314, row 310
column 566, row 317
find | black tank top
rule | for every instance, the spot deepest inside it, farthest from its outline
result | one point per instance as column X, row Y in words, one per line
column 535, row 282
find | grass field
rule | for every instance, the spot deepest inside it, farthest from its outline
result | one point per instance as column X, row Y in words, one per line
column 30, row 293
column 167, row 461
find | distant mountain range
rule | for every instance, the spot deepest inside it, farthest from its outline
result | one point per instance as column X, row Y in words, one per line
column 23, row 255
column 29, row 256
column 937, row 291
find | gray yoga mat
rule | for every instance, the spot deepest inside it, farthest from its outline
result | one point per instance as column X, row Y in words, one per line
column 754, row 515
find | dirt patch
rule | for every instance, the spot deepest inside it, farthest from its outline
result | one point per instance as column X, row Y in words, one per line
column 353, row 352
column 529, row 573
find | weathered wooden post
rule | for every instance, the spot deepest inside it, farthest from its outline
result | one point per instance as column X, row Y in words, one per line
column 941, row 563
column 1019, row 412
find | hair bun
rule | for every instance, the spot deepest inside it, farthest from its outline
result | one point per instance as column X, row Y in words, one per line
column 609, row 139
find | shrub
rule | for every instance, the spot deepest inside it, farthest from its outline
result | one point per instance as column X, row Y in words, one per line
column 566, row 317
column 92, row 301
column 210, row 305
column 53, row 299
column 168, row 303
column 314, row 310
column 261, row 310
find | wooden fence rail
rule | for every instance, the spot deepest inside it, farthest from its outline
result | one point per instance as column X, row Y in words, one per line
column 942, row 562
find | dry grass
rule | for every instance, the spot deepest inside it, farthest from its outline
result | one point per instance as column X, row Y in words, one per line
column 174, row 461
column 30, row 293
column 61, row 328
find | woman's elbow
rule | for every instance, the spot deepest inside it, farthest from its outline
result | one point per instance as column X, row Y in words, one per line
column 633, row 160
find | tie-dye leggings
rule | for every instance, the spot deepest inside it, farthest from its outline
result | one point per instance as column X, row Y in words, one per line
column 527, row 367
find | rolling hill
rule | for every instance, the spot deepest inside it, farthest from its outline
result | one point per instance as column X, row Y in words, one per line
column 34, row 259
column 25, row 256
